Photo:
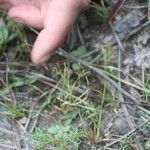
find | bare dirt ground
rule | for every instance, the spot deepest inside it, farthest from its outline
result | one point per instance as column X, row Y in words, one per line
column 93, row 94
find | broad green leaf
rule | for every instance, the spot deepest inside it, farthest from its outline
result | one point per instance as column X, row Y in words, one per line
column 79, row 51
column 76, row 66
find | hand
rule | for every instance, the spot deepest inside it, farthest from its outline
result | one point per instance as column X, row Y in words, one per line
column 53, row 17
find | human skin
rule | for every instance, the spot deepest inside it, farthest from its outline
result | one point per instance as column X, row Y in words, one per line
column 53, row 17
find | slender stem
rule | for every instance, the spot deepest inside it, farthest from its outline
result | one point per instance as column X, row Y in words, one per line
column 111, row 15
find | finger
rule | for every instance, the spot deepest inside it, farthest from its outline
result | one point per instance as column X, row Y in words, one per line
column 27, row 14
column 58, row 20
column 46, row 43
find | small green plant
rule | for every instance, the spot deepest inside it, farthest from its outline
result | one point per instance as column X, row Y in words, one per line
column 79, row 52
column 11, row 112
column 73, row 113
column 12, row 35
column 67, row 96
column 16, row 82
column 106, row 54
column 99, row 10
column 59, row 136
column 5, row 38
column 8, row 32
column 40, row 139
column 64, row 136
column 94, row 134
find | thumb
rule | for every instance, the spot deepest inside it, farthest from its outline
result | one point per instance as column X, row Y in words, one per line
column 26, row 14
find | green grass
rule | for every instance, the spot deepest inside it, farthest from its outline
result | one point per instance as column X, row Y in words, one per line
column 80, row 51
column 12, row 38
column 16, row 82
column 11, row 112
column 58, row 136
column 128, row 143
column 5, row 35
column 145, row 94
column 99, row 10
column 40, row 139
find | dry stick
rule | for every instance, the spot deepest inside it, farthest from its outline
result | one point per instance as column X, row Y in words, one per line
column 80, row 35
column 7, row 146
column 98, row 73
column 124, row 136
column 121, row 49
column 145, row 110
column 112, row 13
column 90, row 53
column 135, row 7
column 149, row 10
column 6, row 131
column 133, row 32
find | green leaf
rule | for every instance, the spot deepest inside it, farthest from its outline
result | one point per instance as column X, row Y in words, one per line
column 3, row 35
column 17, row 82
column 87, row 58
column 70, row 115
column 76, row 66
column 54, row 129
column 79, row 51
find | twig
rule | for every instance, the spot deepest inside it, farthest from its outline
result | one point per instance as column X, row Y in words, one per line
column 123, row 137
column 80, row 35
column 149, row 10
column 7, row 131
column 7, row 146
column 112, row 13
column 133, row 32
column 121, row 50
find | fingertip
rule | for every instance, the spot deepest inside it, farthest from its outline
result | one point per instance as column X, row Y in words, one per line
column 39, row 60
column 47, row 42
